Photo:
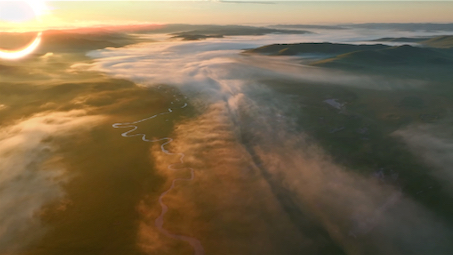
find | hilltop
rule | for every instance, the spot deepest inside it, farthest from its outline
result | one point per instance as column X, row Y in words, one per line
column 443, row 41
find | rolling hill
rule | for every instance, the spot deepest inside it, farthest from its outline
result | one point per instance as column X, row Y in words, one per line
column 392, row 56
column 311, row 48
column 445, row 41
column 71, row 41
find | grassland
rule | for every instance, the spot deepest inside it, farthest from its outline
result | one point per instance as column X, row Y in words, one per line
column 109, row 174
column 231, row 209
column 360, row 136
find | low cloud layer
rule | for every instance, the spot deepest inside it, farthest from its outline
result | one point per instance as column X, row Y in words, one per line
column 214, row 62
column 31, row 173
column 243, row 126
column 434, row 144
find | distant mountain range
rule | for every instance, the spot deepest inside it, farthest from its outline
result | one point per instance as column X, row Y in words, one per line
column 231, row 30
column 402, row 39
column 431, row 27
column 432, row 52
column 312, row 48
column 405, row 55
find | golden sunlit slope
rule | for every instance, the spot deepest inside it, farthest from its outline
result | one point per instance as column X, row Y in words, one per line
column 92, row 210
column 439, row 42
column 282, row 165
column 109, row 185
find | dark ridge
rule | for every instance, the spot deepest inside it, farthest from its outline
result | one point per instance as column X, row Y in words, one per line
column 197, row 37
column 303, row 222
column 401, row 39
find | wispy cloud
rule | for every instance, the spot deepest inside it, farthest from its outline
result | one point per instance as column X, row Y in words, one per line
column 434, row 144
column 243, row 129
column 31, row 173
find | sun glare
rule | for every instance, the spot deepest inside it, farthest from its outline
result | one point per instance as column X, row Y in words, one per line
column 38, row 8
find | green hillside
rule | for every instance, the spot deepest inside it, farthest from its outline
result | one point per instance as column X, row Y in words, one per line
column 312, row 48
column 393, row 56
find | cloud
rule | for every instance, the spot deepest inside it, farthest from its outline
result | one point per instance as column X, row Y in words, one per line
column 31, row 173
column 212, row 62
column 359, row 213
column 47, row 55
column 245, row 133
column 246, row 148
column 434, row 144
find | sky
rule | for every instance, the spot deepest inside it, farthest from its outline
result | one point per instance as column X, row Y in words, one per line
column 63, row 14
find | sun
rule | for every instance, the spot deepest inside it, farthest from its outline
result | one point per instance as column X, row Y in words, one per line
column 38, row 8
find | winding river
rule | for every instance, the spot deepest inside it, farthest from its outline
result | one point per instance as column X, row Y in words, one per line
column 159, row 222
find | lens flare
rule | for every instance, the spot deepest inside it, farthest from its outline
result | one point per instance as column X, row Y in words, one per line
column 15, row 54
column 37, row 7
